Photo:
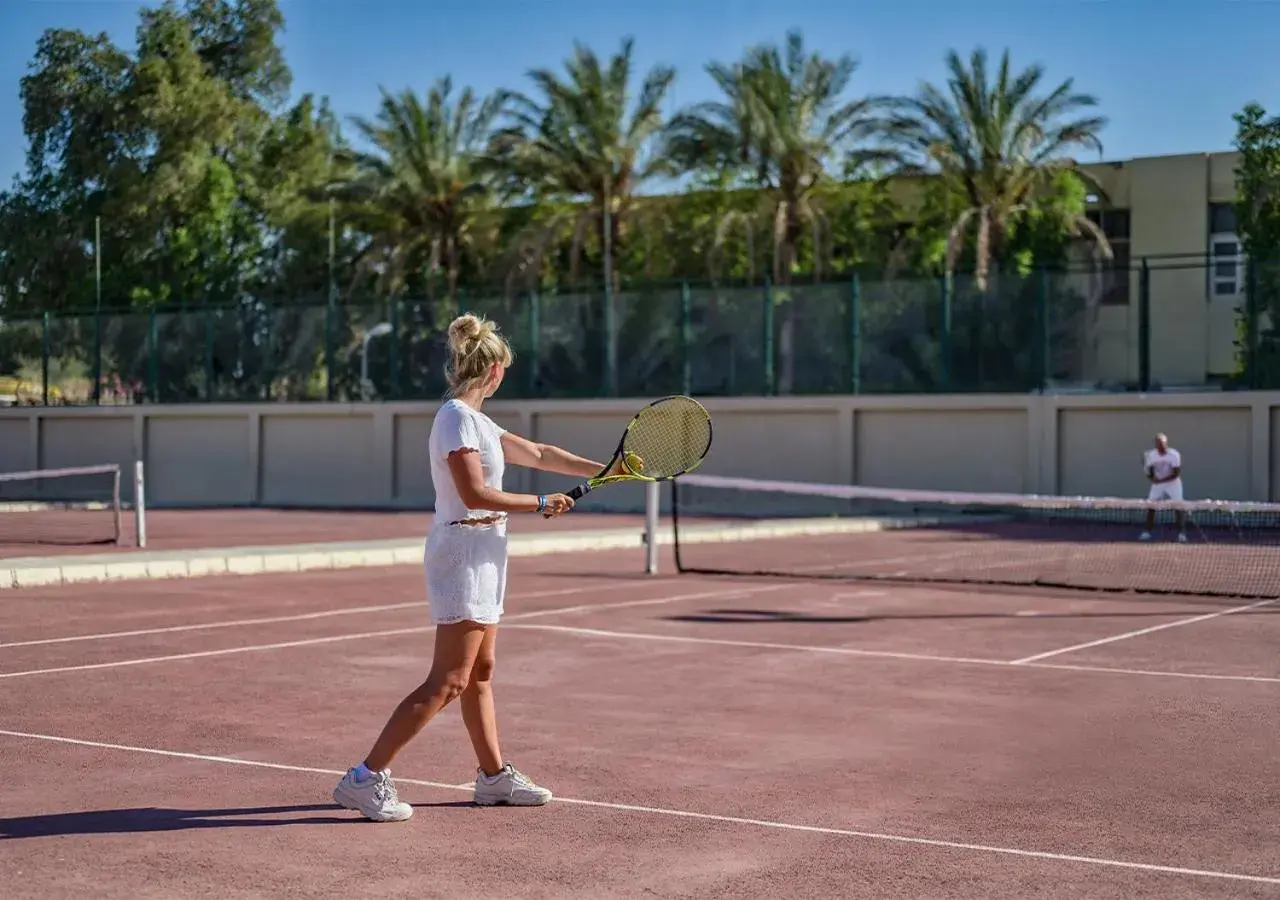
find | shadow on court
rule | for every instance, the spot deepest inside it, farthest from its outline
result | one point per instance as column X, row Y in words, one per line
column 157, row 819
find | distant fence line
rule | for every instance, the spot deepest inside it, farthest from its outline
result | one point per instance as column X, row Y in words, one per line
column 854, row 335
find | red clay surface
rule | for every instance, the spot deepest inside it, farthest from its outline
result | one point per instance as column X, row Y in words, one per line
column 705, row 738
column 66, row 533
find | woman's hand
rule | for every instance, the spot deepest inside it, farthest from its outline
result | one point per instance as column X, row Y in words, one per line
column 557, row 504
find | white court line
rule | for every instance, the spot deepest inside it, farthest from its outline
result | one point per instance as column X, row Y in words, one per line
column 648, row 601
column 883, row 654
column 699, row 816
column 420, row 629
column 300, row 617
column 202, row 654
column 273, row 620
column 1138, row 633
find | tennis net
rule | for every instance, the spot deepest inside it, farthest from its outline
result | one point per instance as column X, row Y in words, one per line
column 61, row 506
column 752, row 527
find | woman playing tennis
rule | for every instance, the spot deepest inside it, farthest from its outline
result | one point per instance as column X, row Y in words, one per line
column 466, row 571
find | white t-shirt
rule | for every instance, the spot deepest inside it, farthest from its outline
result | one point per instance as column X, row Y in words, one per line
column 457, row 426
column 1162, row 464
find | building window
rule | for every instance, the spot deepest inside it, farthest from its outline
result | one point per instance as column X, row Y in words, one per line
column 1116, row 277
column 1226, row 255
column 1226, row 266
column 1222, row 218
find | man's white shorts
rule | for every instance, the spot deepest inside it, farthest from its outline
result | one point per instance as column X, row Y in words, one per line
column 1170, row 490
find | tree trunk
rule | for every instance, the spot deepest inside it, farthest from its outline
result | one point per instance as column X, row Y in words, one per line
column 982, row 252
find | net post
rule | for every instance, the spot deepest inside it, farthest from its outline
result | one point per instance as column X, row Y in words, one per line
column 140, row 504
column 652, row 501
column 115, row 504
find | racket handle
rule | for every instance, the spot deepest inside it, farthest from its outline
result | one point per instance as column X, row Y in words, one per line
column 575, row 495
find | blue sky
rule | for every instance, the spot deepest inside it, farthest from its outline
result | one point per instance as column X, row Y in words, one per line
column 1169, row 73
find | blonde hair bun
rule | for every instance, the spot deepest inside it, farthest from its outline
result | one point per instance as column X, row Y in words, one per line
column 475, row 346
column 466, row 331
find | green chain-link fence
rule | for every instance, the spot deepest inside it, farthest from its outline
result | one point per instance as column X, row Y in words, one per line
column 1085, row 330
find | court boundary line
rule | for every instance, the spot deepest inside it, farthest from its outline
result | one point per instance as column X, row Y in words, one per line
column 771, row 824
column 363, row 635
column 886, row 654
column 639, row 635
column 1191, row 620
column 276, row 620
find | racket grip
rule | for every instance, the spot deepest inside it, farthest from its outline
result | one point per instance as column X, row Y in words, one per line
column 575, row 495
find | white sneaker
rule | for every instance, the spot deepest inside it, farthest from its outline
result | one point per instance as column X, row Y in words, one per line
column 375, row 797
column 1182, row 537
column 1145, row 536
column 510, row 787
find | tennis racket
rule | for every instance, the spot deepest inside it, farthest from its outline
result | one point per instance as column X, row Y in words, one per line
column 669, row 437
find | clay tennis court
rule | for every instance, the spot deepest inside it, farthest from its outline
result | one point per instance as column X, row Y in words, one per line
column 705, row 736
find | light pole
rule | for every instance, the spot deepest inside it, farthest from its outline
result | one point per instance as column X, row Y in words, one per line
column 376, row 331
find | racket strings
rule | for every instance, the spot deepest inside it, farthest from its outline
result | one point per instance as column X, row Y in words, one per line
column 667, row 439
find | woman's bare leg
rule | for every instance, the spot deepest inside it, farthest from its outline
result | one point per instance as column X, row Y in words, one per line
column 457, row 646
column 477, row 706
column 499, row 782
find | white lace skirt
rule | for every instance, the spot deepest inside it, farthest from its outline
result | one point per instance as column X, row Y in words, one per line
column 466, row 569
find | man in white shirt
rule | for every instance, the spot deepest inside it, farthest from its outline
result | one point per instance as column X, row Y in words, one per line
column 1163, row 466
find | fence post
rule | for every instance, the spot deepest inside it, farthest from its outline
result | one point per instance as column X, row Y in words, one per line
column 394, row 319
column 535, row 340
column 610, row 340
column 97, row 355
column 686, row 339
column 1042, row 330
column 767, row 349
column 1251, row 361
column 330, row 389
column 855, row 335
column 1144, row 327
column 45, row 349
column 208, row 355
column 944, row 343
column 153, row 357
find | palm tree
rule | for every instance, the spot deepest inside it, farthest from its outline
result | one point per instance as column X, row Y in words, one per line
column 586, row 145
column 783, row 126
column 997, row 144
column 420, row 188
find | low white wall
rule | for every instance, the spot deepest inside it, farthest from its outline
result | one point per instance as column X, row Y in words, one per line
column 373, row 455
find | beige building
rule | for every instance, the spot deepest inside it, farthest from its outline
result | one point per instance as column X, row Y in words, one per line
column 1175, row 212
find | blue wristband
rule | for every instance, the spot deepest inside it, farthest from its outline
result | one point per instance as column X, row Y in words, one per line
column 542, row 502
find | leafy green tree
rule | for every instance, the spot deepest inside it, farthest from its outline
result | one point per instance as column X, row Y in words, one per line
column 581, row 150
column 420, row 189
column 587, row 140
column 1257, row 209
column 783, row 125
column 996, row 145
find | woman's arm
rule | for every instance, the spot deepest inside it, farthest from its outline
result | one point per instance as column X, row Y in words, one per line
column 521, row 451
column 468, row 478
